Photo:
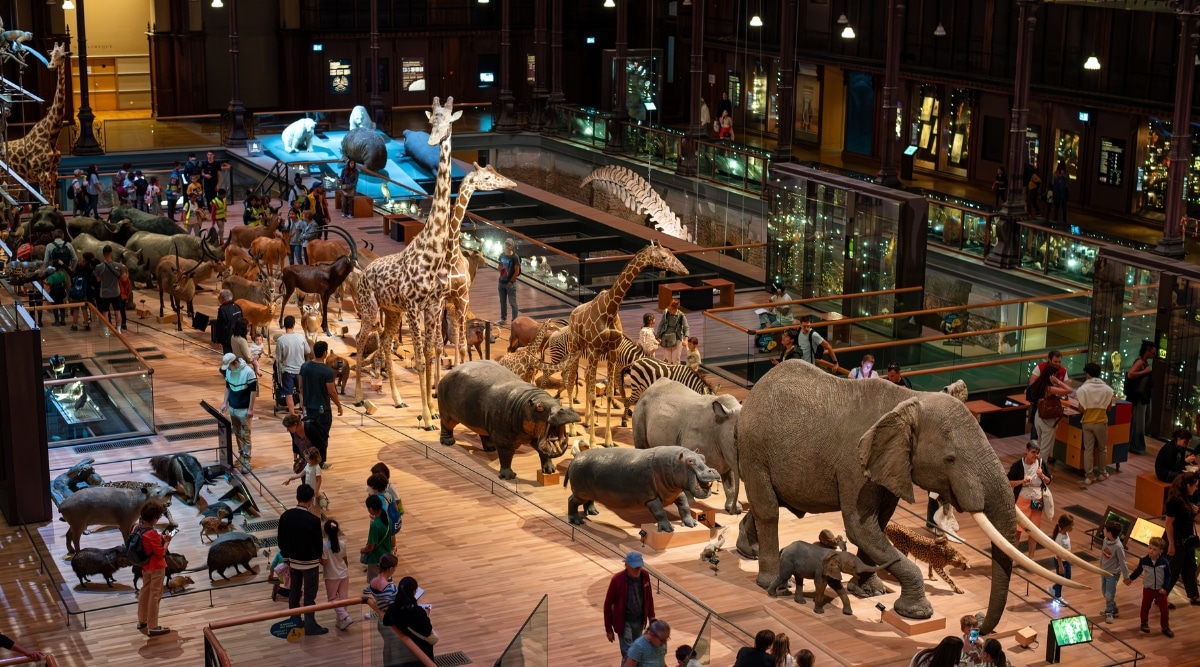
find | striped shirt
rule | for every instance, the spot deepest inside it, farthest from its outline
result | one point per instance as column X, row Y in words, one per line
column 383, row 598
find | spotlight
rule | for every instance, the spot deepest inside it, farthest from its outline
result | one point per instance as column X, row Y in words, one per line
column 67, row 4
column 1093, row 63
column 755, row 21
column 217, row 4
column 848, row 33
column 609, row 3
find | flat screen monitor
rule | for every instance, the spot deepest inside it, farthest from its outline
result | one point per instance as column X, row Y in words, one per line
column 1071, row 630
column 1144, row 530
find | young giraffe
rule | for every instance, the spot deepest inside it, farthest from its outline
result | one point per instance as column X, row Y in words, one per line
column 35, row 156
column 461, row 276
column 596, row 331
column 415, row 280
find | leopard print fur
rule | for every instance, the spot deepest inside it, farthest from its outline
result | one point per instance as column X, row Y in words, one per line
column 937, row 552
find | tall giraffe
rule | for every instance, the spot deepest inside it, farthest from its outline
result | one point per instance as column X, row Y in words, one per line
column 459, row 297
column 35, row 156
column 595, row 330
column 413, row 282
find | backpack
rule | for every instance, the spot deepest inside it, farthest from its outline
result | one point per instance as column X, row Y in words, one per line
column 135, row 549
column 60, row 253
column 394, row 513
column 78, row 288
column 126, row 286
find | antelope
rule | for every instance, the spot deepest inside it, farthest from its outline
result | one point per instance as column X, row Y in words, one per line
column 322, row 252
column 322, row 279
column 269, row 253
column 240, row 262
column 179, row 277
column 259, row 316
column 310, row 321
column 259, row 291
column 244, row 236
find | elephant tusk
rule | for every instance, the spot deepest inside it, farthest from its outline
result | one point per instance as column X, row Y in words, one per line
column 1019, row 558
column 1048, row 542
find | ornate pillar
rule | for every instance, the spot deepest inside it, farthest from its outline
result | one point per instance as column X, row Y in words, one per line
column 891, row 94
column 376, row 101
column 237, row 113
column 536, row 116
column 620, row 113
column 86, row 144
column 689, row 164
column 556, row 93
column 507, row 122
column 1171, row 244
column 1006, row 251
column 787, row 82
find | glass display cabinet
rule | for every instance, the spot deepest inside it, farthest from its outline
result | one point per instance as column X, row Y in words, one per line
column 832, row 235
column 1139, row 296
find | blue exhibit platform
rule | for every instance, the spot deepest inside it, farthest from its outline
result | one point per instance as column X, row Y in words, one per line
column 400, row 167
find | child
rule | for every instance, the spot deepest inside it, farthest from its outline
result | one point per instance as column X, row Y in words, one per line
column 194, row 188
column 256, row 350
column 379, row 538
column 646, row 337
column 804, row 658
column 392, row 507
column 686, row 657
column 1062, row 535
column 173, row 192
column 252, row 214
column 337, row 571
column 57, row 282
column 1158, row 573
column 693, row 355
column 193, row 213
column 280, row 576
column 153, row 196
column 292, row 227
column 306, row 232
column 311, row 475
column 1112, row 558
column 219, row 205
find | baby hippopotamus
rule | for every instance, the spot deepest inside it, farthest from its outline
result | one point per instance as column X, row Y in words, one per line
column 620, row 477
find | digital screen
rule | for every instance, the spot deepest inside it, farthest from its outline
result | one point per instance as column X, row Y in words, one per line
column 1084, row 116
column 1144, row 531
column 651, row 106
column 318, row 47
column 487, row 77
column 1071, row 630
column 589, row 40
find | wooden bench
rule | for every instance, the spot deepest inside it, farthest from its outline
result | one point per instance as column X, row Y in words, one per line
column 1149, row 494
column 666, row 292
column 725, row 287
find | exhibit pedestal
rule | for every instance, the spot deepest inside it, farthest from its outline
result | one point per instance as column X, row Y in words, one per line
column 169, row 318
column 704, row 514
column 682, row 536
column 914, row 626
column 548, row 479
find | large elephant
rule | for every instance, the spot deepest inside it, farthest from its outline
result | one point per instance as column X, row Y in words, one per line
column 811, row 442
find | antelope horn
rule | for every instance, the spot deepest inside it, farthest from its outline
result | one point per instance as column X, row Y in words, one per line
column 1019, row 558
column 349, row 242
column 1048, row 542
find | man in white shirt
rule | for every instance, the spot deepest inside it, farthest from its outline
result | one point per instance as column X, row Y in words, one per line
column 290, row 352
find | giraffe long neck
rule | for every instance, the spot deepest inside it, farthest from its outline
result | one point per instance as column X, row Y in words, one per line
column 54, row 115
column 465, row 190
column 612, row 297
column 439, row 212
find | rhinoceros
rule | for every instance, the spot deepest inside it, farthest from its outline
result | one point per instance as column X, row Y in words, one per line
column 619, row 477
column 505, row 411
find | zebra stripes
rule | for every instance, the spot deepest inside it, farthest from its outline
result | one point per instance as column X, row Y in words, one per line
column 643, row 373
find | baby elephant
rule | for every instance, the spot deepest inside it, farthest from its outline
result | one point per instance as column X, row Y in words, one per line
column 104, row 562
column 824, row 566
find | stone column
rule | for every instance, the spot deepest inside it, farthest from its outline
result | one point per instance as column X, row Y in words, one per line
column 237, row 112
column 1171, row 244
column 537, row 117
column 689, row 164
column 891, row 94
column 508, row 120
column 86, row 144
column 556, row 66
column 615, row 140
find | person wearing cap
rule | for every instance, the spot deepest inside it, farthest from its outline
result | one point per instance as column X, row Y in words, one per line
column 628, row 604
column 240, row 386
column 78, row 191
column 894, row 376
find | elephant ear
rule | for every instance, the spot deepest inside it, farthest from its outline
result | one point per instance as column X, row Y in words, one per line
column 885, row 450
column 831, row 566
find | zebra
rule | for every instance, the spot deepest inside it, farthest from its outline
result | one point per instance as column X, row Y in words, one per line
column 628, row 352
column 643, row 372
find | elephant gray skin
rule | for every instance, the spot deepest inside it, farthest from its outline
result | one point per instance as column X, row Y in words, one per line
column 103, row 230
column 824, row 566
column 108, row 506
column 669, row 413
column 618, row 477
column 133, row 261
column 152, row 247
column 875, row 440
column 146, row 222
column 366, row 147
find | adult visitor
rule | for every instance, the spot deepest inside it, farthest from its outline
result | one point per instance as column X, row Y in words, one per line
column 1174, row 457
column 409, row 621
column 650, row 650
column 1045, row 419
column 509, row 266
column 895, row 376
column 672, row 331
column 349, row 177
column 1138, row 392
column 1180, row 513
column 301, row 543
column 1029, row 477
column 317, row 389
column 946, row 654
column 628, row 604
column 757, row 655
column 228, row 312
column 241, row 384
column 810, row 341
column 788, row 347
column 290, row 351
column 1095, row 398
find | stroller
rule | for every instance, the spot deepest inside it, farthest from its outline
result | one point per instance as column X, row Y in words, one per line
column 280, row 404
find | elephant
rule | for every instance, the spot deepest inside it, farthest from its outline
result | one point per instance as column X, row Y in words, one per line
column 875, row 440
column 825, row 567
column 669, row 413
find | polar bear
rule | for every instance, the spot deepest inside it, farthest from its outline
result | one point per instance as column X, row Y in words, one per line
column 298, row 136
column 359, row 117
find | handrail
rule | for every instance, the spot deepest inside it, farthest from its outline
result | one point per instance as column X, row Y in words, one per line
column 962, row 334
column 22, row 660
column 96, row 378
column 626, row 257
column 105, row 322
column 927, row 311
column 477, row 218
column 814, row 299
column 992, row 362
column 422, row 195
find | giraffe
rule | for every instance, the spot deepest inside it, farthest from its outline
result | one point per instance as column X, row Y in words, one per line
column 415, row 280
column 595, row 330
column 35, row 156
column 461, row 276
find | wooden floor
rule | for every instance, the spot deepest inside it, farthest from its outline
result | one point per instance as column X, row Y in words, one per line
column 486, row 551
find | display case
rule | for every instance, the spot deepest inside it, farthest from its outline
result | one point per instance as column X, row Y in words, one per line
column 1154, row 146
column 926, row 122
column 808, row 104
column 958, row 129
column 1066, row 152
column 643, row 80
column 830, row 235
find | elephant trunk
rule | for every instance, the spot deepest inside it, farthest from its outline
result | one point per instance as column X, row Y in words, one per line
column 1000, row 511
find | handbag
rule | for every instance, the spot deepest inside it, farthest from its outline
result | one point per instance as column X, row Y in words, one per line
column 1047, row 503
column 362, row 558
column 669, row 340
column 1050, row 408
column 432, row 639
column 1136, row 389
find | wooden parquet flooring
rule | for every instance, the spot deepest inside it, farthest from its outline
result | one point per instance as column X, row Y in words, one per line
column 486, row 551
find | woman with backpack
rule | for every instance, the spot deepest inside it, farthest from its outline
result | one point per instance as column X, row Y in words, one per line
column 148, row 545
column 672, row 331
column 84, row 289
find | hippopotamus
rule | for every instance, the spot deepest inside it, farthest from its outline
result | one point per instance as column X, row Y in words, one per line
column 505, row 411
column 619, row 477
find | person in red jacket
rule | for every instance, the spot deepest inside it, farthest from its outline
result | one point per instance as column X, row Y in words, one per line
column 155, row 544
column 629, row 603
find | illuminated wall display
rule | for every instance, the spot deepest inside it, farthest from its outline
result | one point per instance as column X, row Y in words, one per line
column 339, row 77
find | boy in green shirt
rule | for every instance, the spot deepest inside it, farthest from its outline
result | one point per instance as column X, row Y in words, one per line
column 379, row 537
